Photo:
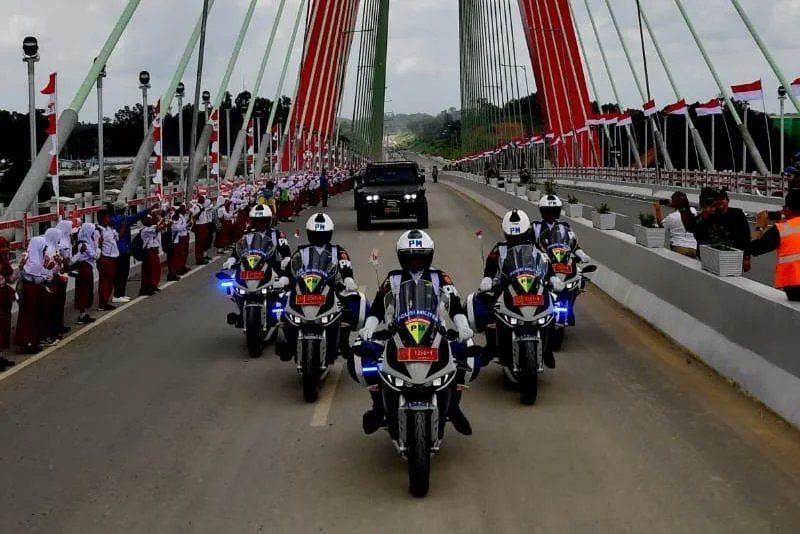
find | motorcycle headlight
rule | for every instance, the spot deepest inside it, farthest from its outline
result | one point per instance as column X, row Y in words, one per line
column 293, row 318
column 264, row 291
column 241, row 291
column 325, row 320
column 571, row 285
column 510, row 320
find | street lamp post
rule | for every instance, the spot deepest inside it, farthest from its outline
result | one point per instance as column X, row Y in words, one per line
column 180, row 91
column 30, row 50
column 782, row 100
column 227, row 104
column 101, row 176
column 207, row 106
column 144, row 85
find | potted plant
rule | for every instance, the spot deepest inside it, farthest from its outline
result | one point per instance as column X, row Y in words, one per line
column 574, row 209
column 603, row 218
column 648, row 233
column 533, row 193
column 721, row 259
column 550, row 187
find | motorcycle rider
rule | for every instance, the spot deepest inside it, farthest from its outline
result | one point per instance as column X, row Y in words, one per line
column 415, row 250
column 517, row 230
column 260, row 235
column 319, row 231
column 550, row 210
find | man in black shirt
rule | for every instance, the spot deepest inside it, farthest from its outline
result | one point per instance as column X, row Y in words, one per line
column 719, row 224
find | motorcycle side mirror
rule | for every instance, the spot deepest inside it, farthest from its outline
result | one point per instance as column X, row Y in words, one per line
column 589, row 269
column 223, row 277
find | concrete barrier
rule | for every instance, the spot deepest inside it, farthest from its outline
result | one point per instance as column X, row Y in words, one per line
column 745, row 330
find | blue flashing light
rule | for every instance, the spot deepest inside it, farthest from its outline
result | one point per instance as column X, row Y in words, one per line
column 561, row 309
column 369, row 369
column 225, row 285
column 277, row 310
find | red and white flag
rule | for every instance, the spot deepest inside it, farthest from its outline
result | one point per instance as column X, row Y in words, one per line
column 537, row 139
column 556, row 141
column 712, row 107
column 650, row 108
column 795, row 85
column 250, row 148
column 678, row 108
column 610, row 119
column 215, row 144
column 158, row 180
column 748, row 92
column 51, row 113
column 595, row 121
column 582, row 130
column 549, row 134
column 625, row 119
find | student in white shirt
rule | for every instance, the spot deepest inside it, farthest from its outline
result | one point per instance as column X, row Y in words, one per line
column 681, row 240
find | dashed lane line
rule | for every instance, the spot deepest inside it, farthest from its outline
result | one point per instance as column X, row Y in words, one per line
column 320, row 416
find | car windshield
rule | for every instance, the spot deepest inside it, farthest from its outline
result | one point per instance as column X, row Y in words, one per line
column 311, row 260
column 525, row 259
column 414, row 298
column 401, row 175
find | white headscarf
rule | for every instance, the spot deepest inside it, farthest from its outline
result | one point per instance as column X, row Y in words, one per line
column 53, row 238
column 86, row 235
column 35, row 264
column 66, row 232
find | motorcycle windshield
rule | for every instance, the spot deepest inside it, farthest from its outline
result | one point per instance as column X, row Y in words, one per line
column 254, row 250
column 525, row 265
column 416, row 306
column 558, row 241
column 313, row 267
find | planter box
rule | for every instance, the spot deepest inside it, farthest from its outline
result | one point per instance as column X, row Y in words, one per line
column 493, row 182
column 721, row 262
column 511, row 188
column 522, row 191
column 649, row 237
column 574, row 210
column 604, row 221
column 534, row 195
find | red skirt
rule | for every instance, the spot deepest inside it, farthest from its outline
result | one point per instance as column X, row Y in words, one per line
column 6, row 300
column 34, row 308
column 242, row 220
column 201, row 232
column 151, row 270
column 284, row 210
column 84, row 287
column 179, row 255
column 106, row 267
column 224, row 235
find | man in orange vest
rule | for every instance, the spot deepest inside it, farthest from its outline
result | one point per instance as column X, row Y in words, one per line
column 784, row 237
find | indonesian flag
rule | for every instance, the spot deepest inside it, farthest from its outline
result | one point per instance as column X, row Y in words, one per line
column 678, row 108
column 549, row 134
column 52, row 128
column 583, row 129
column 567, row 134
column 610, row 119
column 712, row 107
column 747, row 92
column 625, row 119
column 215, row 144
column 250, row 150
column 158, row 180
column 595, row 121
column 556, row 141
column 650, row 108
column 538, row 139
column 796, row 87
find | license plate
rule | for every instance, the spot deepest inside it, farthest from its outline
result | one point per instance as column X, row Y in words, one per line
column 562, row 268
column 388, row 211
column 528, row 300
column 309, row 300
column 417, row 354
column 253, row 275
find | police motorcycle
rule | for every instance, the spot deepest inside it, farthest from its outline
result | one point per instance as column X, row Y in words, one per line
column 559, row 243
column 255, row 287
column 415, row 369
column 314, row 308
column 524, row 312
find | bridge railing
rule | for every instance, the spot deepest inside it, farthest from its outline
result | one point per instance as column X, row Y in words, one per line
column 735, row 182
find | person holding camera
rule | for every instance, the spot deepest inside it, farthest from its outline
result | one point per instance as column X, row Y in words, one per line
column 783, row 237
column 681, row 240
column 720, row 225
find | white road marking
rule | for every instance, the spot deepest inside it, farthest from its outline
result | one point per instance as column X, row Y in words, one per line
column 88, row 328
column 320, row 416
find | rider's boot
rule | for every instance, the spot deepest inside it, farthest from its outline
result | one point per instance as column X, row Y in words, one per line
column 374, row 419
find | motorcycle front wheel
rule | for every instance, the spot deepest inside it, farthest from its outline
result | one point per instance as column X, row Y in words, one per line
column 310, row 369
column 253, row 327
column 418, row 453
column 528, row 374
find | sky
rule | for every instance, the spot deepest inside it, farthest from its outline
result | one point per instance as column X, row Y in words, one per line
column 423, row 73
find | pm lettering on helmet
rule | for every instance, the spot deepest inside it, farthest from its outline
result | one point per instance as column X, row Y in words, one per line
column 319, row 227
column 415, row 243
column 516, row 230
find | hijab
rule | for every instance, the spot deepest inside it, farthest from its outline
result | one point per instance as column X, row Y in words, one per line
column 66, row 232
column 86, row 235
column 53, row 238
column 35, row 264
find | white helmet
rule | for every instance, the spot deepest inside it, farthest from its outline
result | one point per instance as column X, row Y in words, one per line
column 550, row 201
column 260, row 211
column 415, row 249
column 319, row 229
column 516, row 224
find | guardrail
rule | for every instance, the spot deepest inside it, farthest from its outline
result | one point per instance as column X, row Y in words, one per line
column 750, row 184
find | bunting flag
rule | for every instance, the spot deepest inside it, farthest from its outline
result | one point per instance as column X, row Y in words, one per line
column 51, row 90
column 625, row 119
column 215, row 145
column 250, row 150
column 678, row 108
column 712, row 107
column 748, row 92
column 158, row 179
column 650, row 108
column 796, row 87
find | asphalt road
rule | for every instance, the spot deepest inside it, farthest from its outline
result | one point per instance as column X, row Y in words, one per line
column 155, row 421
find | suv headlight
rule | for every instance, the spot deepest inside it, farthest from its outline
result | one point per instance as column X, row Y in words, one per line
column 373, row 198
column 412, row 196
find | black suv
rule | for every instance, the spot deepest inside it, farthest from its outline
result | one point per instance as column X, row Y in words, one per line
column 390, row 190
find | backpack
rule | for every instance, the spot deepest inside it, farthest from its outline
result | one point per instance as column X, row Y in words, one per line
column 137, row 247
